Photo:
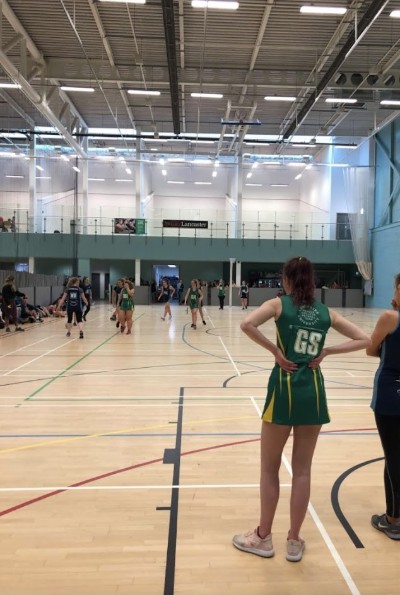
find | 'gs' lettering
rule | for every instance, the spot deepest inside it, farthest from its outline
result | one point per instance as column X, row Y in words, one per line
column 307, row 342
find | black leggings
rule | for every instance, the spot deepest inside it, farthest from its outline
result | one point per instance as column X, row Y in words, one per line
column 221, row 301
column 389, row 432
column 87, row 307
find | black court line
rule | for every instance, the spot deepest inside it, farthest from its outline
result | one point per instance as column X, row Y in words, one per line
column 336, row 506
column 172, row 456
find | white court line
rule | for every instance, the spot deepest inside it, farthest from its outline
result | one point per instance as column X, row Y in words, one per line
column 226, row 350
column 325, row 536
column 194, row 486
column 39, row 357
column 24, row 347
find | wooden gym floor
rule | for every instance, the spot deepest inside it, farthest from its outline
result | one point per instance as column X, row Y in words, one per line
column 128, row 462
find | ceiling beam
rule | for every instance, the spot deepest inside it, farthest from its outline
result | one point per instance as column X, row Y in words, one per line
column 170, row 43
column 37, row 56
column 370, row 15
column 110, row 55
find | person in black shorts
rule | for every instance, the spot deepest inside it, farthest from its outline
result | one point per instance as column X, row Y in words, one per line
column 87, row 290
column 385, row 344
column 166, row 293
column 75, row 298
column 9, row 308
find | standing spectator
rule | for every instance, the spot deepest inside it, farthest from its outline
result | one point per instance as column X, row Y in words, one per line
column 385, row 344
column 221, row 293
column 87, row 290
column 180, row 287
column 9, row 307
column 244, row 294
column 74, row 297
column 296, row 399
column 396, row 296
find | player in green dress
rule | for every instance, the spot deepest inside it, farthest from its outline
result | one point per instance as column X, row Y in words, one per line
column 296, row 399
column 126, row 306
column 193, row 298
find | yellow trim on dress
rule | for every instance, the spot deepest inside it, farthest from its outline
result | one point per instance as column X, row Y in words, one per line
column 316, row 389
column 268, row 413
column 289, row 387
column 280, row 344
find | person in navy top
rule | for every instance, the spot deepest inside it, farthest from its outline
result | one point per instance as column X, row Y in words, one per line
column 75, row 299
column 87, row 290
column 385, row 344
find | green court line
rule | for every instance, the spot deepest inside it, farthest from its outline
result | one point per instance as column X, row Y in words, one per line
column 38, row 390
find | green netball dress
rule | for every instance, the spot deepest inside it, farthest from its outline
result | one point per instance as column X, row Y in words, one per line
column 194, row 298
column 298, row 398
column 126, row 302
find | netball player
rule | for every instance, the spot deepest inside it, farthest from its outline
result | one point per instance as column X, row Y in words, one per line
column 87, row 290
column 296, row 399
column 166, row 294
column 125, row 306
column 192, row 298
column 201, row 301
column 244, row 294
column 75, row 299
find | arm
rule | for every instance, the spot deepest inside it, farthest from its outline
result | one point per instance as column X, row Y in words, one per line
column 268, row 310
column 358, row 339
column 119, row 299
column 187, row 295
column 61, row 302
column 386, row 324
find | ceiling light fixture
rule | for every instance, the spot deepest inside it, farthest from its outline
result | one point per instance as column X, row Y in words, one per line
column 395, row 14
column 298, row 176
column 143, row 92
column 124, row 1
column 390, row 102
column 214, row 174
column 203, row 183
column 40, row 168
column 16, row 177
column 122, row 180
column 207, row 95
column 9, row 86
column 76, row 169
column 327, row 10
column 279, row 98
column 164, row 172
column 175, row 182
column 128, row 171
column 217, row 4
column 78, row 89
column 251, row 184
column 96, row 179
column 339, row 100
column 280, row 185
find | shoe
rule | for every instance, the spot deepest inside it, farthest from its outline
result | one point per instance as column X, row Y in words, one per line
column 194, row 327
column 253, row 544
column 18, row 329
column 75, row 324
column 84, row 318
column 122, row 329
column 170, row 316
column 113, row 317
column 295, row 549
column 162, row 318
column 8, row 330
column 380, row 522
column 81, row 334
column 204, row 322
column 129, row 332
column 68, row 334
column 117, row 325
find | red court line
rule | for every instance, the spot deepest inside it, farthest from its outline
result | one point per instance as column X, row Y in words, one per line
column 144, row 464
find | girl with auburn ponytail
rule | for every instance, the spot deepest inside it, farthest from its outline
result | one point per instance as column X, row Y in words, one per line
column 296, row 399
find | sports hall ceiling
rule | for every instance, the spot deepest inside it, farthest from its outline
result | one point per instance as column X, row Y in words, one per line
column 263, row 48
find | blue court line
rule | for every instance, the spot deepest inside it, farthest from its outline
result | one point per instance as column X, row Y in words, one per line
column 333, row 433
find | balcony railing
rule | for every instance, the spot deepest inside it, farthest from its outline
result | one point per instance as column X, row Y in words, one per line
column 282, row 226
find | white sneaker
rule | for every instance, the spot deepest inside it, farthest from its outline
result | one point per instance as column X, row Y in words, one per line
column 295, row 549
column 253, row 544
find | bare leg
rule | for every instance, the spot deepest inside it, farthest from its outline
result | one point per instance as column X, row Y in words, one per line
column 273, row 439
column 304, row 441
column 129, row 320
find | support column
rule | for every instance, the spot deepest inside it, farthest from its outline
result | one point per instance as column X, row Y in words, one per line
column 239, row 196
column 85, row 192
column 138, row 176
column 31, row 264
column 231, row 262
column 137, row 272
column 238, row 273
column 33, row 223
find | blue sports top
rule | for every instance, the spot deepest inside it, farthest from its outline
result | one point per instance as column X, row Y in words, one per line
column 386, row 394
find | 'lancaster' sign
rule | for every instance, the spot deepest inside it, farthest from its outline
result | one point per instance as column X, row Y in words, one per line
column 185, row 224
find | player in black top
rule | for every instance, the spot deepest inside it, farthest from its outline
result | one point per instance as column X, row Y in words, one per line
column 74, row 297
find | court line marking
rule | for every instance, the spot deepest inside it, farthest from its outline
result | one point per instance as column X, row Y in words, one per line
column 38, row 390
column 116, row 432
column 39, row 357
column 324, row 534
column 24, row 347
column 194, row 486
column 226, row 349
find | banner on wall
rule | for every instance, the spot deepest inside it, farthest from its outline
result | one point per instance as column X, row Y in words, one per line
column 182, row 223
column 134, row 226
